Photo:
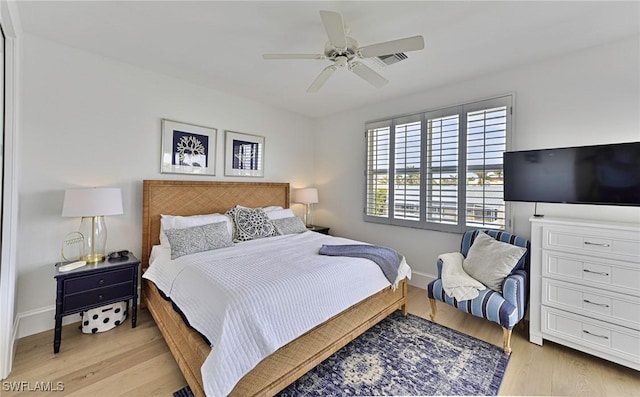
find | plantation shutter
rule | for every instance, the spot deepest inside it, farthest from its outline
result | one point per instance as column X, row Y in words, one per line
column 378, row 138
column 443, row 143
column 407, row 159
column 440, row 170
column 486, row 142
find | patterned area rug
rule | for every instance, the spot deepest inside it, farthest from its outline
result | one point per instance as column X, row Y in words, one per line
column 405, row 356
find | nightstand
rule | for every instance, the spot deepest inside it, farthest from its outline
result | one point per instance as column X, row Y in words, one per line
column 95, row 285
column 319, row 229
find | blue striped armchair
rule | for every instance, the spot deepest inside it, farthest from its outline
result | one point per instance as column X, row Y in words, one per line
column 506, row 309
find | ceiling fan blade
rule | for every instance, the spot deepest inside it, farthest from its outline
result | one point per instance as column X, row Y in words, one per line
column 368, row 74
column 334, row 25
column 322, row 78
column 392, row 47
column 293, row 56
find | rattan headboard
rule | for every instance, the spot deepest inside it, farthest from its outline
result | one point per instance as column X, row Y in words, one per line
column 196, row 197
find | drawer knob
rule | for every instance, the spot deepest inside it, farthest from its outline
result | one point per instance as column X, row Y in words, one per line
column 598, row 244
column 599, row 273
column 101, row 281
column 595, row 303
column 596, row 335
column 100, row 297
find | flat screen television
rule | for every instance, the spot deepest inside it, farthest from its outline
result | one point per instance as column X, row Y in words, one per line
column 600, row 174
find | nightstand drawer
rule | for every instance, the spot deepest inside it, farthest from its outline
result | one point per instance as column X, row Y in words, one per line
column 84, row 283
column 98, row 296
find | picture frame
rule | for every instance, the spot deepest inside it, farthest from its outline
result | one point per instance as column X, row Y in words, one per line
column 188, row 148
column 244, row 154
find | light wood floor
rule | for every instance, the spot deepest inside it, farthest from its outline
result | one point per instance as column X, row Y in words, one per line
column 137, row 362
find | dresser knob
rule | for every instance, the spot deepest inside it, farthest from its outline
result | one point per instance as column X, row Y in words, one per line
column 101, row 281
column 100, row 297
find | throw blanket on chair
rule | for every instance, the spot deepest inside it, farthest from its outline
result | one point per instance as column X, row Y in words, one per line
column 455, row 281
column 389, row 260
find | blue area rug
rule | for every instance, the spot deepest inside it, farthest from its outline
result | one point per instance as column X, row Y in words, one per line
column 405, row 356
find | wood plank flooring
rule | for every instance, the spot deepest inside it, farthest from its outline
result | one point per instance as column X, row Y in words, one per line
column 137, row 362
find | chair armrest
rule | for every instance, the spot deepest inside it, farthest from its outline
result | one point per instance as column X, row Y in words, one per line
column 439, row 266
column 514, row 289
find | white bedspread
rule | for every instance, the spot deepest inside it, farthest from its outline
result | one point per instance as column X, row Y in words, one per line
column 255, row 297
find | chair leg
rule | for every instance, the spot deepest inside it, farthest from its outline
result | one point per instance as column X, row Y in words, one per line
column 506, row 340
column 433, row 309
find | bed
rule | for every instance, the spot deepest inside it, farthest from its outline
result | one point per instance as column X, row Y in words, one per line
column 190, row 350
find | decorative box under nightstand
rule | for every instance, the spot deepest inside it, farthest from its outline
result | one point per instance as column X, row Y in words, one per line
column 319, row 229
column 95, row 285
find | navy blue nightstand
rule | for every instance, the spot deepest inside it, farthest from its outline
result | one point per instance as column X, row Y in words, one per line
column 319, row 229
column 95, row 285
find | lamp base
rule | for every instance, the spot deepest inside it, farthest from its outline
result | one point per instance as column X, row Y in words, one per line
column 93, row 258
column 308, row 216
column 94, row 231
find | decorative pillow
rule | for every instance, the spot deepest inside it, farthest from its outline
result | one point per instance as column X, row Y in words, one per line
column 279, row 214
column 289, row 225
column 181, row 222
column 198, row 238
column 251, row 223
column 490, row 261
column 266, row 209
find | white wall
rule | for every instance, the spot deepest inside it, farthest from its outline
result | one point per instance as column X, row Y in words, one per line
column 91, row 121
column 584, row 98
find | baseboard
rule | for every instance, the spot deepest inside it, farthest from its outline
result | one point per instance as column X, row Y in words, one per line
column 40, row 320
column 420, row 280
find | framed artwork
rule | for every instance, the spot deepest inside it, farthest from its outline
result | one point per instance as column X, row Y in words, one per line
column 188, row 149
column 244, row 154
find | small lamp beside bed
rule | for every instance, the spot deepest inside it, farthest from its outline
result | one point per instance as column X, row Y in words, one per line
column 92, row 204
column 308, row 197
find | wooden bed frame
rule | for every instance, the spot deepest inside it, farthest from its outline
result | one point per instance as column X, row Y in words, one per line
column 189, row 349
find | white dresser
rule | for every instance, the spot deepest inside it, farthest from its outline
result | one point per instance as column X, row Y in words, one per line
column 585, row 287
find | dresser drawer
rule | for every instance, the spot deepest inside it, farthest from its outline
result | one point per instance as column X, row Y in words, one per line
column 618, row 276
column 113, row 293
column 595, row 303
column 592, row 334
column 620, row 244
column 84, row 283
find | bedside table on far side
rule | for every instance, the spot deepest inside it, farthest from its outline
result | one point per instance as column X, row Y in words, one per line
column 95, row 285
column 319, row 229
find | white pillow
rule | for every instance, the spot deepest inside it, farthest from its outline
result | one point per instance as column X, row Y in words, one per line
column 183, row 222
column 266, row 209
column 279, row 214
column 490, row 261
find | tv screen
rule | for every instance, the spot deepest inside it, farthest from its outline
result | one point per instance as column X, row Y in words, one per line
column 601, row 174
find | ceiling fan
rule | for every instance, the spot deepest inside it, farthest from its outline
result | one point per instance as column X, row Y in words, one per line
column 343, row 50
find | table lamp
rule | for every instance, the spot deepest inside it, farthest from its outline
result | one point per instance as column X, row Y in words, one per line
column 92, row 205
column 308, row 197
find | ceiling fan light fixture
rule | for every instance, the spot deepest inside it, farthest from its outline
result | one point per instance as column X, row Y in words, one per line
column 343, row 50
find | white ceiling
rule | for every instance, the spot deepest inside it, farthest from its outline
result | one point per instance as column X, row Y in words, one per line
column 220, row 44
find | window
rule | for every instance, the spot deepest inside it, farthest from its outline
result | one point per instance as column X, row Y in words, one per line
column 441, row 169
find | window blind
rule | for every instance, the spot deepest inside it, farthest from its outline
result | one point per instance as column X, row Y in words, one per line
column 441, row 169
column 486, row 143
column 377, row 171
column 407, row 159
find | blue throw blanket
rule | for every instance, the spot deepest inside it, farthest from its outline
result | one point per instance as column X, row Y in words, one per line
column 387, row 259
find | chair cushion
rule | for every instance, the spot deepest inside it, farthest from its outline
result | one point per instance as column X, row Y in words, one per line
column 489, row 305
column 490, row 261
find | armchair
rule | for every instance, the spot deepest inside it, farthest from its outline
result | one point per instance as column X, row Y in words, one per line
column 506, row 308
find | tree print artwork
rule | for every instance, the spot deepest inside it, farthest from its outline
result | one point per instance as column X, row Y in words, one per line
column 190, row 149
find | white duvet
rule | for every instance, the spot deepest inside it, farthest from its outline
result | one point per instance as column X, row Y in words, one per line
column 253, row 298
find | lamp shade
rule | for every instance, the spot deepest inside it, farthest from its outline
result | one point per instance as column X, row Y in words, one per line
column 92, row 202
column 305, row 196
